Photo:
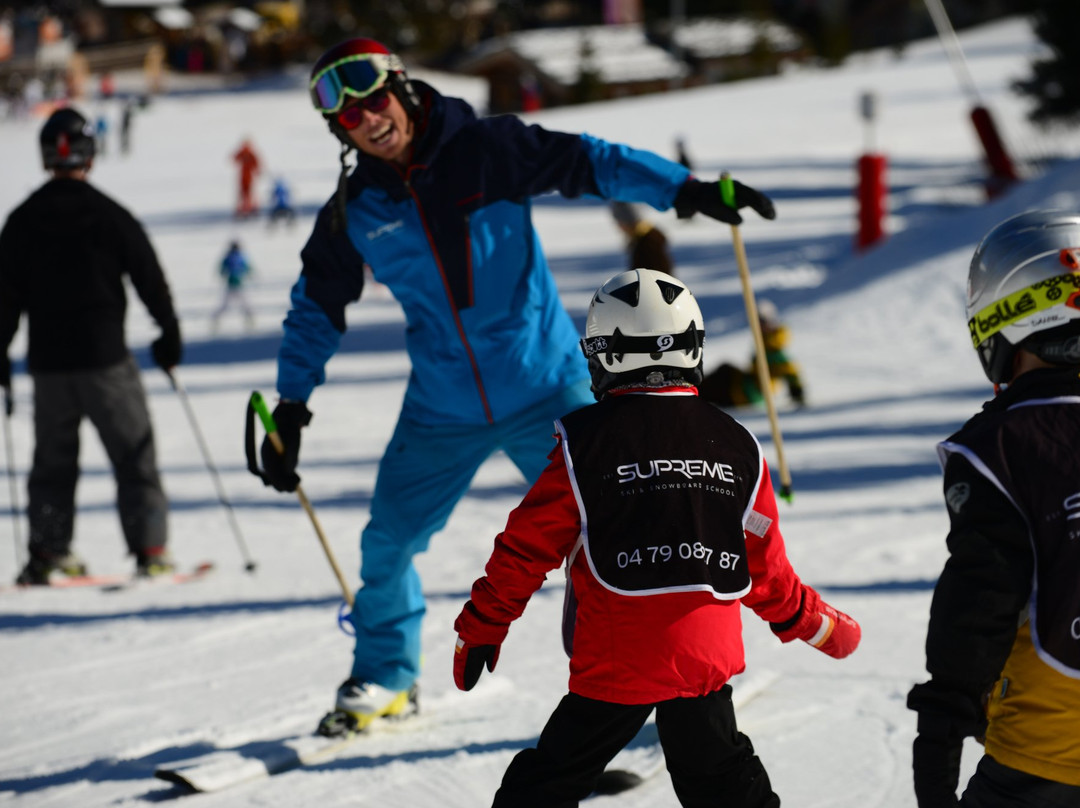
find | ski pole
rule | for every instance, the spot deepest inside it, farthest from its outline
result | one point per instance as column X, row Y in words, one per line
column 9, row 407
column 258, row 403
column 727, row 192
column 249, row 562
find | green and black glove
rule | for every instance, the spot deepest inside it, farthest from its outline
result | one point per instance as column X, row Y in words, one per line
column 279, row 470
column 704, row 197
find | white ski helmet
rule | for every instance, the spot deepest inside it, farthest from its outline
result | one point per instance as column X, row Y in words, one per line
column 1023, row 291
column 643, row 326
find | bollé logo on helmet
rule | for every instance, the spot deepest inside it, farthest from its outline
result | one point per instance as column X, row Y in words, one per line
column 1004, row 312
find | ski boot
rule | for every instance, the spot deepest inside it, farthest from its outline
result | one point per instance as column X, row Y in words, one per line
column 360, row 703
column 39, row 569
column 154, row 562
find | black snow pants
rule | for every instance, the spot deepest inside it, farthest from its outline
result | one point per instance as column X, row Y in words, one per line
column 709, row 761
column 115, row 402
column 997, row 786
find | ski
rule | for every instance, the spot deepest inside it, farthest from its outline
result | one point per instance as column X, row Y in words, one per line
column 643, row 757
column 115, row 582
column 196, row 573
column 225, row 768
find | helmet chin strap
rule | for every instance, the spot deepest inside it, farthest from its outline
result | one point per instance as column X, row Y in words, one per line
column 1064, row 351
column 338, row 214
column 406, row 93
column 1060, row 353
column 604, row 381
column 74, row 173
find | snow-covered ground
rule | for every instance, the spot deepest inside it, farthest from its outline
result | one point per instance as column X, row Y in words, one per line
column 98, row 688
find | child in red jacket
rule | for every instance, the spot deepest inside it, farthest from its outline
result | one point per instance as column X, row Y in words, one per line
column 662, row 508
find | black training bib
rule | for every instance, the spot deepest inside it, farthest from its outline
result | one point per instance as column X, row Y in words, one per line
column 663, row 483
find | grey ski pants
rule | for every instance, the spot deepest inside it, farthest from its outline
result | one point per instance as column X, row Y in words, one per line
column 115, row 402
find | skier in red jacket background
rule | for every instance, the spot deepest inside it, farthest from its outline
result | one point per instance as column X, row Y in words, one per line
column 662, row 508
column 248, row 163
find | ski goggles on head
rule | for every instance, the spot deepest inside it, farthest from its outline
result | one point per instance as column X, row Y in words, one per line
column 689, row 341
column 357, row 76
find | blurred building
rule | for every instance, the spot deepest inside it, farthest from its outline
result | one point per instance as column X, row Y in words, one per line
column 590, row 63
column 66, row 48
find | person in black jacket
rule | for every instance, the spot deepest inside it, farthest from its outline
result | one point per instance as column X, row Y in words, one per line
column 1003, row 644
column 64, row 253
column 646, row 244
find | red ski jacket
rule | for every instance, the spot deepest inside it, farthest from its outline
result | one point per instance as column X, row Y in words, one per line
column 652, row 610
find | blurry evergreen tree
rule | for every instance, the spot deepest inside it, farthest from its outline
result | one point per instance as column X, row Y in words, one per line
column 1055, row 80
column 422, row 28
column 589, row 85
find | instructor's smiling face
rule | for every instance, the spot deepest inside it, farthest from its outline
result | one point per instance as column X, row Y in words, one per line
column 386, row 134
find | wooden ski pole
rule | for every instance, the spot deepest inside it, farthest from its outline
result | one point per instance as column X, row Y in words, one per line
column 259, row 403
column 727, row 192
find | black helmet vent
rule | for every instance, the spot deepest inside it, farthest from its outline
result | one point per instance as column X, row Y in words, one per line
column 629, row 294
column 670, row 291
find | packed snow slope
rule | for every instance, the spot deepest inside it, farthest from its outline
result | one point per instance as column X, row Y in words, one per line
column 99, row 688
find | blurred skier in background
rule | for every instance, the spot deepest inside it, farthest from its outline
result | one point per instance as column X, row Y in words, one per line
column 101, row 134
column 234, row 270
column 126, row 117
column 730, row 386
column 247, row 162
column 281, row 206
column 681, row 154
column 646, row 244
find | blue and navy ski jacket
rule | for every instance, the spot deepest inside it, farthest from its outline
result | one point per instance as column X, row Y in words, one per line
column 452, row 238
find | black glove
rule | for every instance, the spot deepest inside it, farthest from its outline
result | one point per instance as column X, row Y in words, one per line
column 798, row 395
column 935, row 763
column 947, row 715
column 279, row 470
column 704, row 197
column 168, row 349
column 5, row 382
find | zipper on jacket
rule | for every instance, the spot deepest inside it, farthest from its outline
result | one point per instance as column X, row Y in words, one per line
column 453, row 306
column 469, row 263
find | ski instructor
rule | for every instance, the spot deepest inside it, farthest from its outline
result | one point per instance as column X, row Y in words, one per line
column 438, row 206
